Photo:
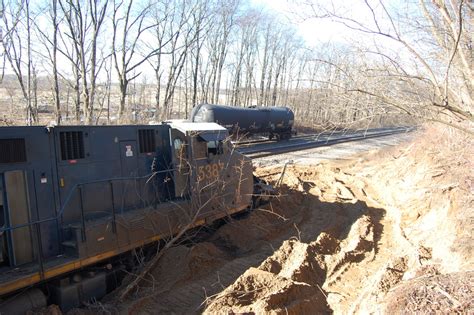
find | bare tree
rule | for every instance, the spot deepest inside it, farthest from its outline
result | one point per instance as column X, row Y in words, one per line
column 162, row 13
column 201, row 19
column 54, row 59
column 84, row 21
column 248, row 27
column 182, row 39
column 16, row 24
column 51, row 46
column 103, row 93
column 436, row 82
column 226, row 22
column 128, row 28
column 266, row 53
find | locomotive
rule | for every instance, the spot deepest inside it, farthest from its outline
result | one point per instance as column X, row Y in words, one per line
column 276, row 122
column 74, row 197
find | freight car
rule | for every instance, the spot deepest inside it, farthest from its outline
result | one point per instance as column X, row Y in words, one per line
column 74, row 197
column 272, row 121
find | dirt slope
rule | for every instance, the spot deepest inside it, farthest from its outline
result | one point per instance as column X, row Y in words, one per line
column 384, row 233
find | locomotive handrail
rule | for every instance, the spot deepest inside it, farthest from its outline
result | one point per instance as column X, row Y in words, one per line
column 36, row 225
column 70, row 194
column 76, row 186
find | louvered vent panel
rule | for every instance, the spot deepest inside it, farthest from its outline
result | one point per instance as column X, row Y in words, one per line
column 12, row 150
column 72, row 145
column 146, row 139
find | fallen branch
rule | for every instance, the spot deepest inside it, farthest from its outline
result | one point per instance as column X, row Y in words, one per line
column 447, row 295
column 155, row 259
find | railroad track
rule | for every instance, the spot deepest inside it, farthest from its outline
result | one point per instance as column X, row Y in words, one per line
column 265, row 140
column 262, row 149
column 333, row 133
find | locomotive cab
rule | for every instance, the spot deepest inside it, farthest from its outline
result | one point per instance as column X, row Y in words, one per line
column 217, row 176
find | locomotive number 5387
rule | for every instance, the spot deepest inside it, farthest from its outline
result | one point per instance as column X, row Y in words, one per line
column 210, row 171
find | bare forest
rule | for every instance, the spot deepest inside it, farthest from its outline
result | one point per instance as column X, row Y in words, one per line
column 126, row 61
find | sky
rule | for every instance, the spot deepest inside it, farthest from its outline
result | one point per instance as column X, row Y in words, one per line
column 313, row 30
column 317, row 31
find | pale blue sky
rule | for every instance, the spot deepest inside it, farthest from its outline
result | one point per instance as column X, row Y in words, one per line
column 318, row 30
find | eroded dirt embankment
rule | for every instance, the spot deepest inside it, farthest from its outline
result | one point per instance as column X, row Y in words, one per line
column 386, row 233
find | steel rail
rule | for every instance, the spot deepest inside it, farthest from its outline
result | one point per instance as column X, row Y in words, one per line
column 249, row 143
column 256, row 142
column 280, row 147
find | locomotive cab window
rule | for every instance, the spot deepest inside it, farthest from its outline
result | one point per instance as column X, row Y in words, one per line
column 215, row 148
column 180, row 151
column 215, row 142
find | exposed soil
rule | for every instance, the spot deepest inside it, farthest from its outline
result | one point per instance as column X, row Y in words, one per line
column 447, row 294
column 389, row 232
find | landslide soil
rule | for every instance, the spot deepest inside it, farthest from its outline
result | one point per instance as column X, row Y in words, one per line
column 388, row 232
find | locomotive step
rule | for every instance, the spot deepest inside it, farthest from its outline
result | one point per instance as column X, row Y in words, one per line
column 70, row 248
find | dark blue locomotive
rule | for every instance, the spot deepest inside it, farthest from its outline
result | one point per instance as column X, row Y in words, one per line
column 75, row 196
column 272, row 121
